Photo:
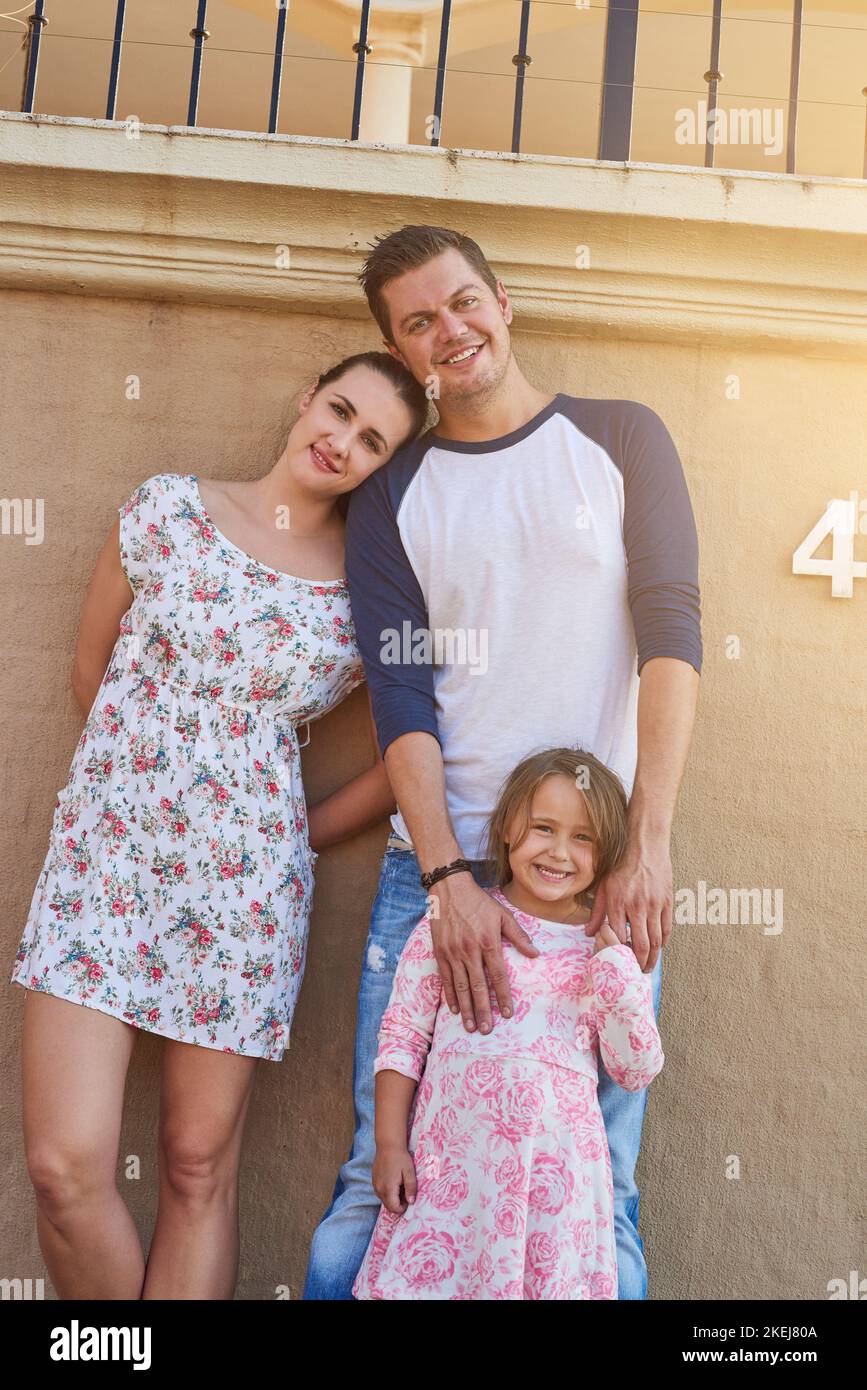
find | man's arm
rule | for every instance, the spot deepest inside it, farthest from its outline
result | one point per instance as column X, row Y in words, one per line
column 467, row 925
column 639, row 890
column 662, row 557
column 386, row 602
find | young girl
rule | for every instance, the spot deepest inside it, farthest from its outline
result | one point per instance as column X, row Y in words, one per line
column 176, row 889
column 503, row 1190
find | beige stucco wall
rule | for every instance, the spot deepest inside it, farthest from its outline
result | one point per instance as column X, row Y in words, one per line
column 693, row 278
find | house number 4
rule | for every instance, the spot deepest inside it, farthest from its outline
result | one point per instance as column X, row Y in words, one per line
column 841, row 522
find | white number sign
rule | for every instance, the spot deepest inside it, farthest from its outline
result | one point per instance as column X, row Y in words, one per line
column 838, row 521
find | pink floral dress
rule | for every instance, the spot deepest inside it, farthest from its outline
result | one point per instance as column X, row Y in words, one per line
column 515, row 1198
column 176, row 890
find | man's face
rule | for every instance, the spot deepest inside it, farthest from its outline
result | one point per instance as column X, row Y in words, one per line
column 447, row 324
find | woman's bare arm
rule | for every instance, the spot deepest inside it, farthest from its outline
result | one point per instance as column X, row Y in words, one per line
column 108, row 597
column 362, row 802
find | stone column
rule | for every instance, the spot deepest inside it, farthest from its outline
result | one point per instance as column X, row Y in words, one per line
column 385, row 106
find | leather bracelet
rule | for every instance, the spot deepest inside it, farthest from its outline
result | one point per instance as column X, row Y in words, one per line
column 457, row 866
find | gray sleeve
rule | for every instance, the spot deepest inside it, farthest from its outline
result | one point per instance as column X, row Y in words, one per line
column 661, row 542
column 386, row 599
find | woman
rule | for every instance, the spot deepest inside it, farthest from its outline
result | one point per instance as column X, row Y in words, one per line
column 176, row 890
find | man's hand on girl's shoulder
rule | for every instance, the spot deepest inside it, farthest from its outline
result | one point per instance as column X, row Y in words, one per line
column 636, row 897
column 467, row 931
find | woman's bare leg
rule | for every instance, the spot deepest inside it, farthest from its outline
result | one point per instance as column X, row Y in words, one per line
column 74, row 1065
column 203, row 1106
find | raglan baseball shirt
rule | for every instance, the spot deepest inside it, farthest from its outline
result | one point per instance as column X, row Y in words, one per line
column 506, row 594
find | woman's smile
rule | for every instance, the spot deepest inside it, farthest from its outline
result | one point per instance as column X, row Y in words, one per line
column 322, row 462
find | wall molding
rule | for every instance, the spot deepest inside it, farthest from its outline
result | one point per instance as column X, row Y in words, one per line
column 676, row 254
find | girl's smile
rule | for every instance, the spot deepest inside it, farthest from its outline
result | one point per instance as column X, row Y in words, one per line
column 552, row 875
column 559, row 828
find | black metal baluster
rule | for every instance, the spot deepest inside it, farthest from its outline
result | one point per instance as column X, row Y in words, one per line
column 37, row 23
column 522, row 61
column 277, row 79
column 713, row 77
column 111, row 105
column 441, row 71
column 200, row 33
column 618, row 81
column 361, row 48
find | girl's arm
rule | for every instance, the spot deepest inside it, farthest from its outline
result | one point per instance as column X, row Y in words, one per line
column 405, row 1035
column 362, row 802
column 629, row 1041
column 394, row 1093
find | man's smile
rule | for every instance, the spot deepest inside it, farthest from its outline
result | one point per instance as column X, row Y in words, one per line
column 464, row 355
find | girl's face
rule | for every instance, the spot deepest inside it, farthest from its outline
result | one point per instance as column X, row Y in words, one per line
column 346, row 430
column 555, row 860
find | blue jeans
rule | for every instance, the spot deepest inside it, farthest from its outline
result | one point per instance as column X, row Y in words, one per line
column 343, row 1234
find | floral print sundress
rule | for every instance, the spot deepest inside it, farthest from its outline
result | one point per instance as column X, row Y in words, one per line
column 177, row 886
column 515, row 1197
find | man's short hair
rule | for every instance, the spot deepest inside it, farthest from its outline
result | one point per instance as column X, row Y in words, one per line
column 393, row 255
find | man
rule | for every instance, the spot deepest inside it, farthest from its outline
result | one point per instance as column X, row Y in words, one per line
column 550, row 541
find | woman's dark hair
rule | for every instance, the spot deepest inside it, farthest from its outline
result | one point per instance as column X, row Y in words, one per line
column 407, row 388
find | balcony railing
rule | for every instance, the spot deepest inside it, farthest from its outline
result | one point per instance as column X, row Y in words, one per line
column 713, row 110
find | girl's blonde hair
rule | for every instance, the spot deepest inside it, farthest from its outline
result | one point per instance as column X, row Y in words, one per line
column 606, row 809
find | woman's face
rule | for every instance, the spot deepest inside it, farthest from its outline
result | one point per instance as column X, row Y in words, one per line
column 346, row 431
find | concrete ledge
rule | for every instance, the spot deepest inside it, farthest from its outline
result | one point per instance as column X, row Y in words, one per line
column 675, row 253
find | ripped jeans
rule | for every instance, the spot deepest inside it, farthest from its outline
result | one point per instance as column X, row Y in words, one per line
column 344, row 1232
